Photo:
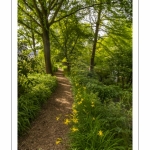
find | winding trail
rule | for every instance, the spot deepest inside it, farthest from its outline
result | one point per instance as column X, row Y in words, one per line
column 49, row 126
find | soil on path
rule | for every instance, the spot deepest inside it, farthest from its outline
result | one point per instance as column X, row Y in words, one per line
column 49, row 126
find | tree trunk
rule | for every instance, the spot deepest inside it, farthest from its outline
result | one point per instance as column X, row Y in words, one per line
column 47, row 55
column 95, row 41
column 33, row 41
column 68, row 67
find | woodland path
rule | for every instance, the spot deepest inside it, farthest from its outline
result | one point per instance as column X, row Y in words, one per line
column 47, row 128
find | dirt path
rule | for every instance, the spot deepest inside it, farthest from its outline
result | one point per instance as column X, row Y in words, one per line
column 49, row 126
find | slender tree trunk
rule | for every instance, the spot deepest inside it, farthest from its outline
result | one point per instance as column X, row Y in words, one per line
column 95, row 41
column 33, row 40
column 123, row 82
column 47, row 55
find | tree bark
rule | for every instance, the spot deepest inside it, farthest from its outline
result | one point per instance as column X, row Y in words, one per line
column 47, row 55
column 95, row 41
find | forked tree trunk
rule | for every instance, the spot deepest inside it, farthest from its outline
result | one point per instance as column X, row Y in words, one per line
column 47, row 55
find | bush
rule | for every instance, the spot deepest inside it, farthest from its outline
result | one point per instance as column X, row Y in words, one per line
column 26, row 66
column 30, row 103
column 104, row 92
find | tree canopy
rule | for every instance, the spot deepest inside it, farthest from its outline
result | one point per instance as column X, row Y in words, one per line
column 75, row 29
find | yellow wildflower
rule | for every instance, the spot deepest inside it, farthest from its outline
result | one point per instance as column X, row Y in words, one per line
column 74, row 129
column 57, row 118
column 93, row 118
column 58, row 141
column 93, row 105
column 79, row 102
column 73, row 106
column 75, row 111
column 75, row 120
column 66, row 121
column 100, row 133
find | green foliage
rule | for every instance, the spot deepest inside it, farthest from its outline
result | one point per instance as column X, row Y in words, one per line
column 114, row 56
column 104, row 92
column 98, row 124
column 30, row 102
column 107, row 99
column 24, row 84
column 68, row 40
column 26, row 66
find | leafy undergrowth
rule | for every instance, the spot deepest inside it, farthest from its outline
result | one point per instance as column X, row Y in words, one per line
column 96, row 123
column 30, row 102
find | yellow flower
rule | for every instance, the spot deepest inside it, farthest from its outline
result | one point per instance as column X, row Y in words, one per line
column 75, row 111
column 74, row 129
column 79, row 102
column 57, row 118
column 75, row 120
column 73, row 106
column 93, row 118
column 93, row 104
column 66, row 121
column 100, row 133
column 58, row 141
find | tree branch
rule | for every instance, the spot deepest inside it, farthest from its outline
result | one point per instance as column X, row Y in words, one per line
column 77, row 11
column 26, row 25
column 38, row 12
column 53, row 4
column 56, row 12
column 74, row 43
column 29, row 15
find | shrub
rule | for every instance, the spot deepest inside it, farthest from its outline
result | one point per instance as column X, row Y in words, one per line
column 30, row 103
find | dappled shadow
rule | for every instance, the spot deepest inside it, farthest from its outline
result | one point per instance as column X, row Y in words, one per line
column 46, row 128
